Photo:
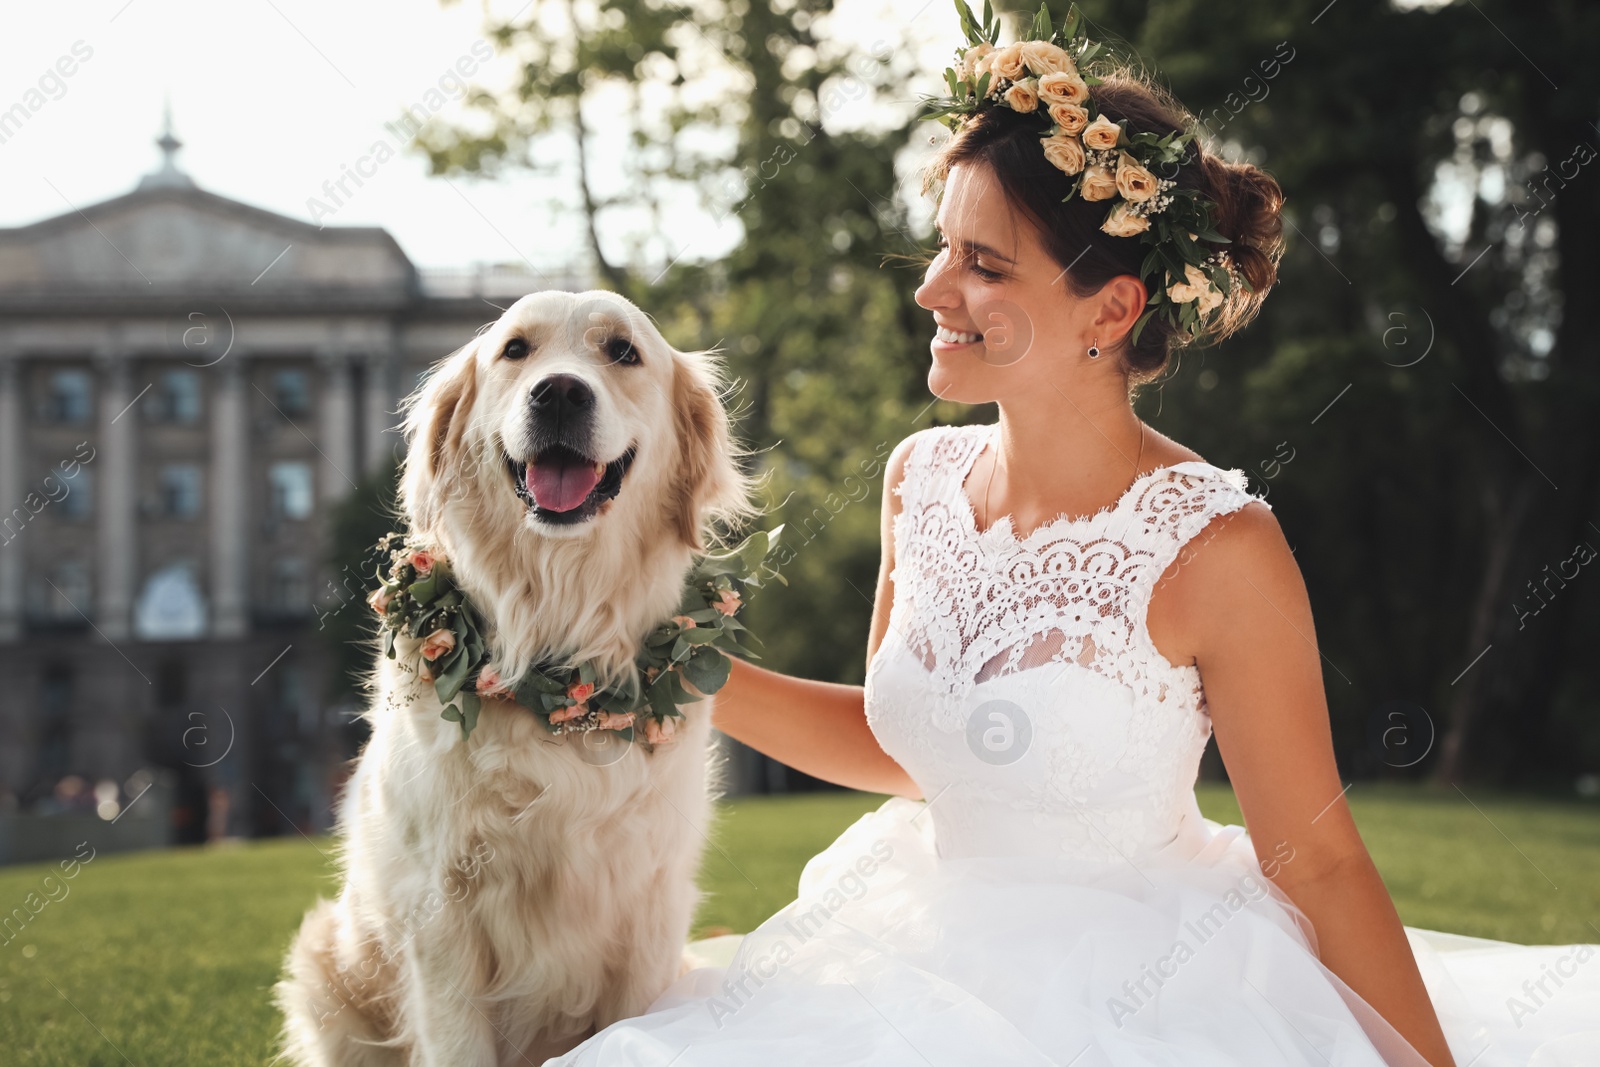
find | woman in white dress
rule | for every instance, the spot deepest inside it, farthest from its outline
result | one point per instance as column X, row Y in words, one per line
column 1070, row 604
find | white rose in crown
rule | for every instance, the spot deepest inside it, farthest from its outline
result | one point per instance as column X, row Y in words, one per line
column 1122, row 222
column 1065, row 153
column 1101, row 134
column 1099, row 183
column 1007, row 62
column 1042, row 57
column 1022, row 97
column 1063, row 87
column 1195, row 286
column 1133, row 181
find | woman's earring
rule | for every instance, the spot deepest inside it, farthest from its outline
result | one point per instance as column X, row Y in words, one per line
column 1094, row 349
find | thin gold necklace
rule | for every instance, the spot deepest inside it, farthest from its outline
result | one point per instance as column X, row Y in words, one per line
column 996, row 463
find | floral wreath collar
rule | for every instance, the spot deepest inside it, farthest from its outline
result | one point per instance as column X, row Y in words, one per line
column 420, row 598
column 1045, row 74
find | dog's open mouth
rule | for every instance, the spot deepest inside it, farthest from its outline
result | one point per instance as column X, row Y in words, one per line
column 565, row 486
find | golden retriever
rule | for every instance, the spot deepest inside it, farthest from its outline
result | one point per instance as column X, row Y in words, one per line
column 507, row 896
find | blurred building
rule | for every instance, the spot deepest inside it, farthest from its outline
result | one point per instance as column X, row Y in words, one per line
column 186, row 383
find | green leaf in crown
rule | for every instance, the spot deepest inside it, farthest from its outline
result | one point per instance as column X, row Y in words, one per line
column 418, row 597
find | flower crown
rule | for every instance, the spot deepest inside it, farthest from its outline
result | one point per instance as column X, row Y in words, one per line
column 1043, row 75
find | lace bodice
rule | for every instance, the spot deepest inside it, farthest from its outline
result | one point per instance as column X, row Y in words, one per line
column 1017, row 682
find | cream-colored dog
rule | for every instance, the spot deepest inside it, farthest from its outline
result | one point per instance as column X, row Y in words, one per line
column 509, row 895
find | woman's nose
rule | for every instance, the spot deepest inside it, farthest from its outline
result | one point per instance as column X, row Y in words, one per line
column 933, row 293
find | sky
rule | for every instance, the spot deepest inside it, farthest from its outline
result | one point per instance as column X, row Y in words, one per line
column 274, row 98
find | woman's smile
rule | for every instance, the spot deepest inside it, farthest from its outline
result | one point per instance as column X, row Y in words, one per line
column 944, row 337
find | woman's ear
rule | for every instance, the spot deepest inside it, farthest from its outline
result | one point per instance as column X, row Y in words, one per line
column 709, row 481
column 436, row 420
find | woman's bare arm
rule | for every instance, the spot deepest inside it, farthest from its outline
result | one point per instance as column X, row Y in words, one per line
column 1244, row 601
column 821, row 727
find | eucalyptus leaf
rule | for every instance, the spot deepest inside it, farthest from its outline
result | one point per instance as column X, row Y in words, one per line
column 448, row 684
column 1138, row 327
column 661, row 691
column 680, row 695
column 707, row 669
column 424, row 591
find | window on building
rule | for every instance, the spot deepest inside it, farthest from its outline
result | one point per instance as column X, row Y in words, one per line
column 291, row 392
column 61, row 592
column 180, row 490
column 79, row 501
column 291, row 489
column 174, row 397
column 69, row 397
column 290, row 593
column 170, row 605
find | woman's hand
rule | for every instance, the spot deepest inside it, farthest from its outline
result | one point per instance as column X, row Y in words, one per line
column 819, row 728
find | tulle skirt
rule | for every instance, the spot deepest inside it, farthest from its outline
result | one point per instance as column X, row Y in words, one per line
column 892, row 955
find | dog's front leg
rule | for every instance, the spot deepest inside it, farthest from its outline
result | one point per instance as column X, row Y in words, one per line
column 451, row 1030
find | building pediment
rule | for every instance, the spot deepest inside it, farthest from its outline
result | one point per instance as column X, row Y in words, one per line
column 163, row 240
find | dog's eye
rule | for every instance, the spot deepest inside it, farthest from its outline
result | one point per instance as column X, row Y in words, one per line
column 622, row 350
column 516, row 348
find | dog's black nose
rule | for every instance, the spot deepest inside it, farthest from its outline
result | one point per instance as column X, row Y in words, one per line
column 561, row 396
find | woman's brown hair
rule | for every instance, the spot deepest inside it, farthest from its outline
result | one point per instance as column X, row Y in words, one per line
column 1248, row 202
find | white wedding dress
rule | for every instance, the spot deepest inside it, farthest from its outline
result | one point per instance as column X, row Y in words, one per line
column 1058, row 898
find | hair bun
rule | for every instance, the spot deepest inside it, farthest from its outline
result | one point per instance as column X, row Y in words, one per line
column 1249, row 213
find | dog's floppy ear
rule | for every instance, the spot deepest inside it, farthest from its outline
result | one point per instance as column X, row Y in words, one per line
column 435, row 426
column 708, row 480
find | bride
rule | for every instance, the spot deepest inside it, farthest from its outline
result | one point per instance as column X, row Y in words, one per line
column 1070, row 605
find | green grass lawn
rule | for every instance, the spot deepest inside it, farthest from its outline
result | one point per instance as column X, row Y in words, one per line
column 165, row 959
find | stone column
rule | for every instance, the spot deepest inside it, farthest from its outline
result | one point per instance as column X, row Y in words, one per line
column 336, row 426
column 116, row 490
column 380, row 402
column 230, row 497
column 11, row 494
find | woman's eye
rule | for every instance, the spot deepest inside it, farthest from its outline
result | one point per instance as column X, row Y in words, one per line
column 622, row 351
column 972, row 264
column 516, row 348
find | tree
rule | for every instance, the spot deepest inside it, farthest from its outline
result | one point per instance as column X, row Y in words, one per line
column 1481, row 476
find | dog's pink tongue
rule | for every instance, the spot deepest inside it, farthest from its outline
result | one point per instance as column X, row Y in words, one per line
column 558, row 485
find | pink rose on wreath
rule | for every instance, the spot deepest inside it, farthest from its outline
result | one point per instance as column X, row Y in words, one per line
column 423, row 561
column 615, row 720
column 378, row 600
column 490, row 683
column 580, row 691
column 727, row 603
column 571, row 711
column 437, row 644
column 684, row 621
column 660, row 731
